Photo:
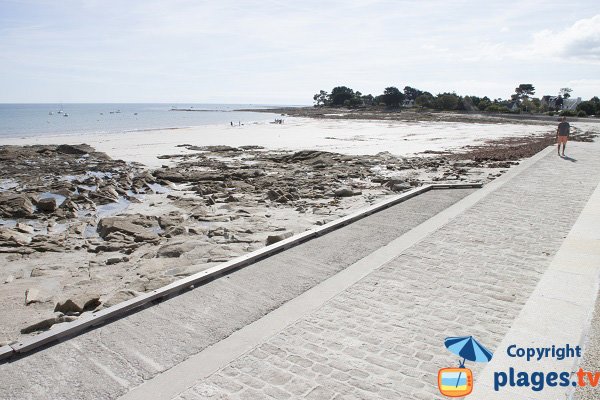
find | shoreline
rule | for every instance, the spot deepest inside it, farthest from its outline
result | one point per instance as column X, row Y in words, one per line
column 124, row 228
column 346, row 136
column 414, row 114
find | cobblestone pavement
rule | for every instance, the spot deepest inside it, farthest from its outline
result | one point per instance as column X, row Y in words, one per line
column 383, row 337
column 107, row 362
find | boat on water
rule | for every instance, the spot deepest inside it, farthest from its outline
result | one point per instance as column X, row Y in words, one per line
column 65, row 115
column 50, row 113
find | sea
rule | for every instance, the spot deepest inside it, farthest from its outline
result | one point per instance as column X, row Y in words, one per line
column 26, row 120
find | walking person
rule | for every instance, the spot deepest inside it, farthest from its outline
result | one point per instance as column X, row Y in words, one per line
column 562, row 134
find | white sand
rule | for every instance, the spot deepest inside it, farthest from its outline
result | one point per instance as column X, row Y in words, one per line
column 343, row 136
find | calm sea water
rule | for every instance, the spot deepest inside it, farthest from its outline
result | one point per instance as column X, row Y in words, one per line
column 21, row 120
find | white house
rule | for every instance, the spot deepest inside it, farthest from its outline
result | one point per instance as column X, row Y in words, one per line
column 571, row 104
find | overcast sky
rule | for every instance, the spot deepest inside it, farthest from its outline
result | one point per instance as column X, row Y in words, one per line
column 282, row 52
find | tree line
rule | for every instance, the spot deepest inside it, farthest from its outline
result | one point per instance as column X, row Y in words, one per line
column 521, row 101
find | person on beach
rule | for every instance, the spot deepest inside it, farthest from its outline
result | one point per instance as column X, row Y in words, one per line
column 562, row 134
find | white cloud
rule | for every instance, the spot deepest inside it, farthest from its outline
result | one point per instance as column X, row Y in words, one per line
column 579, row 42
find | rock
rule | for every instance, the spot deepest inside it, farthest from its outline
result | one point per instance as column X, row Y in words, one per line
column 129, row 226
column 24, row 228
column 9, row 279
column 116, row 260
column 175, row 250
column 219, row 254
column 214, row 149
column 345, row 192
column 47, row 204
column 174, row 231
column 119, row 297
column 280, row 196
column 75, row 149
column 169, row 175
column 47, row 324
column 247, row 173
column 157, row 283
column 105, row 195
column 202, row 176
column 36, row 272
column 43, row 243
column 78, row 304
column 400, row 187
column 11, row 238
column 304, row 155
column 167, row 221
column 15, row 206
column 279, row 237
column 33, row 295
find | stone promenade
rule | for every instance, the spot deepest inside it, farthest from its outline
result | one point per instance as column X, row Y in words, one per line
column 360, row 313
column 382, row 338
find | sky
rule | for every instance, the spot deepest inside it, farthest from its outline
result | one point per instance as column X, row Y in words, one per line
column 283, row 52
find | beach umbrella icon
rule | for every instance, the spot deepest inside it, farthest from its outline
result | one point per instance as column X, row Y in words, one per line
column 469, row 349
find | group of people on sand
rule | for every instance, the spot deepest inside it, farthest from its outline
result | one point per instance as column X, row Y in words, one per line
column 239, row 123
column 278, row 121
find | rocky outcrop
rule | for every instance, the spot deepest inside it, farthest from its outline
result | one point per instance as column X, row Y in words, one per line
column 75, row 149
column 175, row 250
column 271, row 239
column 46, row 324
column 78, row 304
column 15, row 206
column 46, row 205
column 133, row 226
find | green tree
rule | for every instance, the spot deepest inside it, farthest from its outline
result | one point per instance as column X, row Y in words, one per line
column 474, row 100
column 340, row 94
column 321, row 98
column 524, row 91
column 392, row 97
column 529, row 106
column 425, row 100
column 565, row 92
column 411, row 93
column 446, row 101
column 368, row 100
column 498, row 108
column 588, row 107
column 484, row 103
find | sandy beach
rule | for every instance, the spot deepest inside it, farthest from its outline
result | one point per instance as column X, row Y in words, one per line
column 346, row 136
column 86, row 231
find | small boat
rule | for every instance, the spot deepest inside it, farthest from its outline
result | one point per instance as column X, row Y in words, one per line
column 50, row 113
column 134, row 113
column 65, row 115
column 60, row 112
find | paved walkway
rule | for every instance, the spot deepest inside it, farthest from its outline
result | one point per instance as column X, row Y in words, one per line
column 361, row 313
column 382, row 338
column 110, row 361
